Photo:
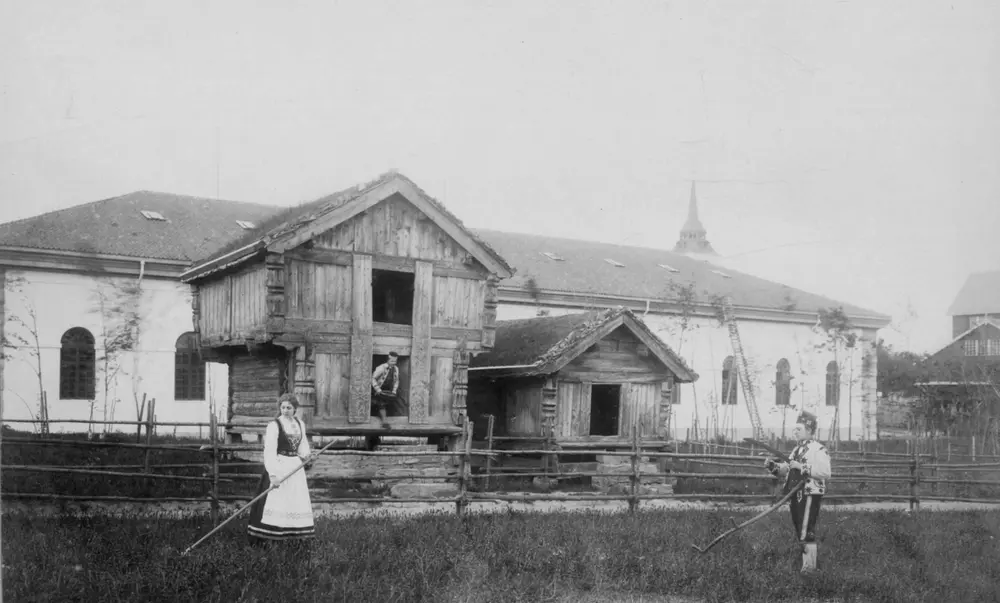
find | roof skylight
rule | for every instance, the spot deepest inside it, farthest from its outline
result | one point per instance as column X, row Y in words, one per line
column 614, row 263
column 246, row 225
column 553, row 256
column 152, row 215
column 722, row 274
column 668, row 267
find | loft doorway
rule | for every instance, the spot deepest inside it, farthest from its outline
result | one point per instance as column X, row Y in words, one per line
column 605, row 409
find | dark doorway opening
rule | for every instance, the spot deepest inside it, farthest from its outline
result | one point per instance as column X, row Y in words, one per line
column 605, row 404
column 392, row 297
column 398, row 407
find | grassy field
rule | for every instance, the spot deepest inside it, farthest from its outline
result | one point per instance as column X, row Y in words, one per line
column 864, row 556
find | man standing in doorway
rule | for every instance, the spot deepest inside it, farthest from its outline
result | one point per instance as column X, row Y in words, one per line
column 385, row 386
column 810, row 462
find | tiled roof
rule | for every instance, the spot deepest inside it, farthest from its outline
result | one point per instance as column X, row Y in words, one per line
column 542, row 341
column 193, row 227
column 584, row 269
column 979, row 295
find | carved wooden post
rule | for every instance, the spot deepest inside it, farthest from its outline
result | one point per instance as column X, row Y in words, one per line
column 196, row 311
column 490, row 313
column 305, row 382
column 666, row 406
column 460, row 389
column 275, row 266
column 549, row 394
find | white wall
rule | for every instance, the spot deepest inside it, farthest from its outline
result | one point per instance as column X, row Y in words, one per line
column 704, row 345
column 62, row 301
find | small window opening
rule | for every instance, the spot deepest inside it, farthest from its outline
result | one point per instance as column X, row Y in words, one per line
column 614, row 263
column 153, row 215
column 553, row 256
column 668, row 268
column 722, row 274
column 605, row 403
column 396, row 406
column 246, row 225
column 392, row 297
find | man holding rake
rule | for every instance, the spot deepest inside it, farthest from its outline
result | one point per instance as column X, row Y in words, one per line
column 809, row 462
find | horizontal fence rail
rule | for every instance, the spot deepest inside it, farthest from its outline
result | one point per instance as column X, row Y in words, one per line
column 474, row 470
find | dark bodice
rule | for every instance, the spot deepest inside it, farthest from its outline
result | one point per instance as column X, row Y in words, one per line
column 288, row 443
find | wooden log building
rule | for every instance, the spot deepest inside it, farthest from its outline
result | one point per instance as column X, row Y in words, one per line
column 588, row 379
column 314, row 299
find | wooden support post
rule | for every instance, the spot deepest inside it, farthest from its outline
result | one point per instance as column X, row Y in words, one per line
column 420, row 354
column 359, row 409
column 913, row 482
column 150, row 418
column 550, row 392
column 491, row 420
column 214, row 494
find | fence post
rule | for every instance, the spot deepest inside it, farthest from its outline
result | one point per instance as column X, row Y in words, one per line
column 914, row 477
column 138, row 420
column 633, row 502
column 150, row 417
column 212, row 422
column 464, row 467
column 973, row 449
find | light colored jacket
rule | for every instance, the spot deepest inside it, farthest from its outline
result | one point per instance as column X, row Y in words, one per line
column 815, row 462
column 382, row 373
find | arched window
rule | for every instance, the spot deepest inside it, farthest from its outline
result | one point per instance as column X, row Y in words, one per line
column 783, row 384
column 189, row 369
column 77, row 365
column 832, row 384
column 730, row 381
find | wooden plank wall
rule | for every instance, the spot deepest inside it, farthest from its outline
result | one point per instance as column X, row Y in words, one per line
column 214, row 313
column 640, row 404
column 234, row 306
column 458, row 302
column 396, row 228
column 573, row 409
column 523, row 407
column 249, row 297
column 333, row 386
column 318, row 290
column 616, row 361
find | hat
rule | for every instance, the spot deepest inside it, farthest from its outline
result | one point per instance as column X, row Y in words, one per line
column 808, row 419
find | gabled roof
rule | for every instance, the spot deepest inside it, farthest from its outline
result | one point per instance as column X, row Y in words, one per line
column 646, row 274
column 979, row 295
column 540, row 346
column 294, row 226
column 983, row 325
column 193, row 226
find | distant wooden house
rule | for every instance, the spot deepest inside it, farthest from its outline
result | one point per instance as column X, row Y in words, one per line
column 589, row 379
column 315, row 298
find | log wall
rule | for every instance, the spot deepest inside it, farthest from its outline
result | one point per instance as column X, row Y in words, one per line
column 233, row 308
column 255, row 383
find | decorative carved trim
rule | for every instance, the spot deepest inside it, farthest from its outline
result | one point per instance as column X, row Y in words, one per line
column 490, row 312
column 275, row 266
column 460, row 389
column 550, row 391
column 666, row 405
column 305, row 383
column 196, row 308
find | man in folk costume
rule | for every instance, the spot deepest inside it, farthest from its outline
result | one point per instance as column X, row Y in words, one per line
column 286, row 512
column 810, row 462
column 385, row 386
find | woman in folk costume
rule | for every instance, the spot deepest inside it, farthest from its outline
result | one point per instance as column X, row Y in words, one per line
column 286, row 512
column 810, row 462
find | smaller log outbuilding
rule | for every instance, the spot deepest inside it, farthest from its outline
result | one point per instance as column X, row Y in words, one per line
column 585, row 379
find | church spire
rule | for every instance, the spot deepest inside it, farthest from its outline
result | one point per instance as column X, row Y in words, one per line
column 693, row 236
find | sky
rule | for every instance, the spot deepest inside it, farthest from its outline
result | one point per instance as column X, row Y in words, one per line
column 843, row 147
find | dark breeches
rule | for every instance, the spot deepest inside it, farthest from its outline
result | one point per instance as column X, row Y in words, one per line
column 805, row 513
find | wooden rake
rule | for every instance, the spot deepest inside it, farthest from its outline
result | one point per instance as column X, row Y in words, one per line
column 311, row 458
column 750, row 521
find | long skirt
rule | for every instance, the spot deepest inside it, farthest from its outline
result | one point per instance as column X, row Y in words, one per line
column 286, row 512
